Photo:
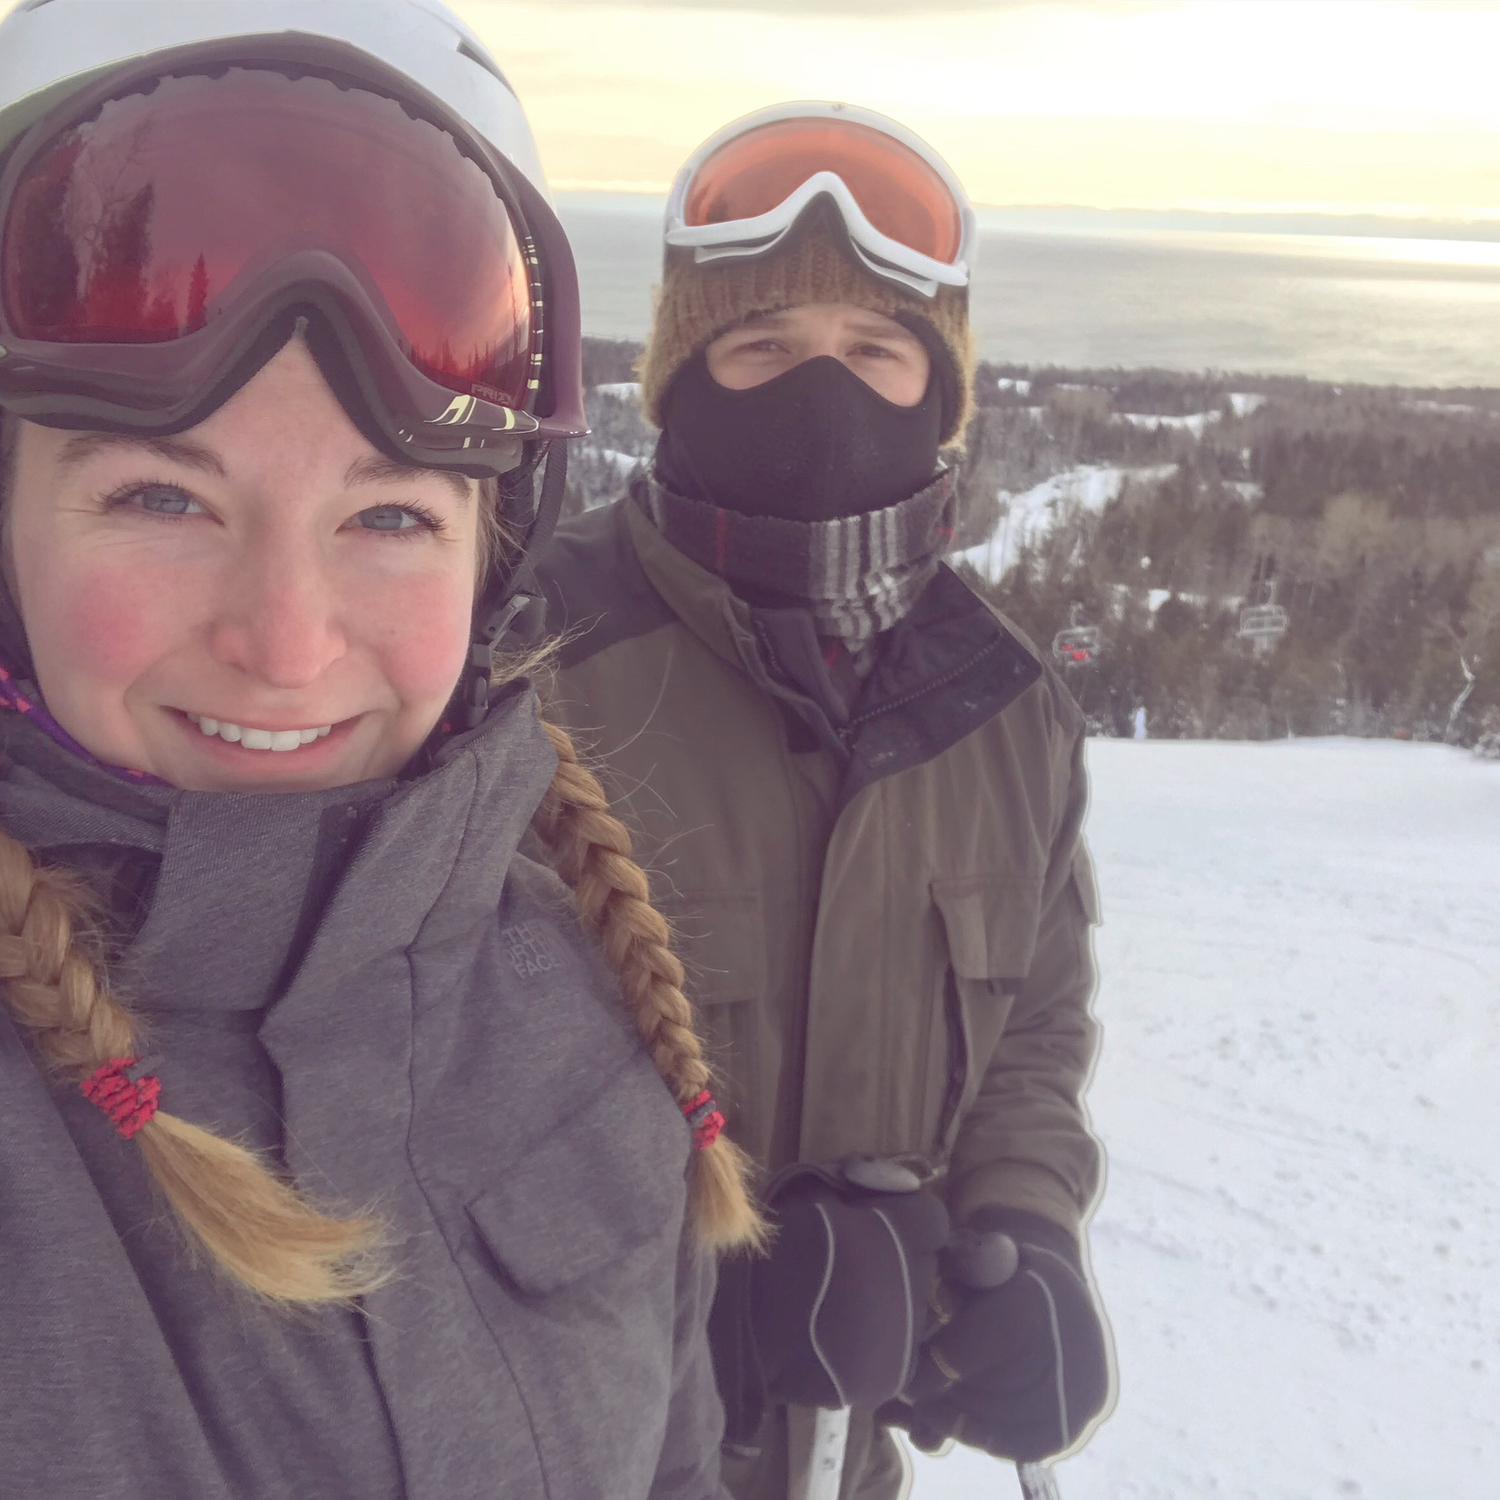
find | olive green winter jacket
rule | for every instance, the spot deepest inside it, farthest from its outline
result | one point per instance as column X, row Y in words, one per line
column 885, row 912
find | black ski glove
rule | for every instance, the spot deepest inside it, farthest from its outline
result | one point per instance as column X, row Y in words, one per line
column 835, row 1315
column 1019, row 1369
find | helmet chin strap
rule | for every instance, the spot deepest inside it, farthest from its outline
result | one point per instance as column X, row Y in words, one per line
column 504, row 602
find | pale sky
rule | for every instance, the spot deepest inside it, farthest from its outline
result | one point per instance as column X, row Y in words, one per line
column 1319, row 105
column 1342, row 106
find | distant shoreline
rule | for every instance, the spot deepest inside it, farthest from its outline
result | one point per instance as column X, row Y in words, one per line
column 1105, row 291
column 1075, row 218
column 618, row 357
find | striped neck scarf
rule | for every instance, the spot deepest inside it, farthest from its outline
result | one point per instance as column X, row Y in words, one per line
column 858, row 575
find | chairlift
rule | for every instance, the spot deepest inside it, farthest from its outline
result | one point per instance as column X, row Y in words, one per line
column 1264, row 624
column 1077, row 645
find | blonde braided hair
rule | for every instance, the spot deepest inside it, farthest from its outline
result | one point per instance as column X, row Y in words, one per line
column 591, row 849
column 237, row 1209
column 252, row 1223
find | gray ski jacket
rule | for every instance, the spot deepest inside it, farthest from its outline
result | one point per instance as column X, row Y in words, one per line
column 372, row 985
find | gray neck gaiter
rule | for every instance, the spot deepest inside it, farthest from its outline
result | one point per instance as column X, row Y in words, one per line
column 858, row 575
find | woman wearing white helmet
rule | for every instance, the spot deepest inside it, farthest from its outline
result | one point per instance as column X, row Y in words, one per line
column 333, row 1163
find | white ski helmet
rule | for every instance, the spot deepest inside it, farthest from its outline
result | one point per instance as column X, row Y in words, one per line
column 59, row 60
column 48, row 47
column 184, row 184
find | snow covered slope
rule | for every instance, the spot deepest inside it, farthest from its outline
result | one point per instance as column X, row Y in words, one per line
column 1030, row 514
column 1300, row 1092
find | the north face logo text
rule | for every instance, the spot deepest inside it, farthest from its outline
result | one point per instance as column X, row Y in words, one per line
column 530, row 949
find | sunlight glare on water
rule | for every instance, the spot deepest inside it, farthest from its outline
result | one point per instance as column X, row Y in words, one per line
column 1341, row 308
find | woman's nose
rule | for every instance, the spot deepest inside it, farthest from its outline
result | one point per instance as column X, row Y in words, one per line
column 279, row 620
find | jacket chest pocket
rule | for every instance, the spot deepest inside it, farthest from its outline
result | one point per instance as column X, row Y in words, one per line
column 988, row 925
column 571, row 1259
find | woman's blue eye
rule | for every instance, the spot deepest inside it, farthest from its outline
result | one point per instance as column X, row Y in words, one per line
column 393, row 518
column 162, row 500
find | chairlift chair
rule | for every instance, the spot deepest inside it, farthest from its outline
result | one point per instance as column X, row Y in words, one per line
column 1077, row 645
column 1264, row 624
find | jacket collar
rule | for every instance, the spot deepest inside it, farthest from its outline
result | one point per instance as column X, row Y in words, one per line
column 256, row 891
column 947, row 667
column 702, row 600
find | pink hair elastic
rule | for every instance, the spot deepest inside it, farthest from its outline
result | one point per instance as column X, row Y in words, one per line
column 704, row 1118
column 129, row 1102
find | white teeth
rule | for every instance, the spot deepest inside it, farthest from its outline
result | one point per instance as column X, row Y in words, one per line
column 261, row 739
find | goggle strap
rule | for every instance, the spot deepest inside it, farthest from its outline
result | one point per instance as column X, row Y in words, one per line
column 520, row 591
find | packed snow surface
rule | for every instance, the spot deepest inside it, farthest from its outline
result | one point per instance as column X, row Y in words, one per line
column 624, row 464
column 1299, row 1245
column 1028, row 515
column 1448, row 408
column 1194, row 422
column 621, row 390
column 1155, row 598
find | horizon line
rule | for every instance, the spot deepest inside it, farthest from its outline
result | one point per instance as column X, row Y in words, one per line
column 1478, row 219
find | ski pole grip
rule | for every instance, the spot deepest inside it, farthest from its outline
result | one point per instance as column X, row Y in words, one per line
column 980, row 1259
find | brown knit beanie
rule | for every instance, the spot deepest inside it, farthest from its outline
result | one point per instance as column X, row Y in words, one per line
column 696, row 303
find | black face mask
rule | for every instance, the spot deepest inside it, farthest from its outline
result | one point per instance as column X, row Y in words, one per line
column 810, row 445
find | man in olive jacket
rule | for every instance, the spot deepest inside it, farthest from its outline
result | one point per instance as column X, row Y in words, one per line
column 861, row 793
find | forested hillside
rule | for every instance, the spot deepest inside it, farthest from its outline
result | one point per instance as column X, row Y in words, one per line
column 1155, row 508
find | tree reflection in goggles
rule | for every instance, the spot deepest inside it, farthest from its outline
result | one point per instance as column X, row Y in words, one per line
column 132, row 225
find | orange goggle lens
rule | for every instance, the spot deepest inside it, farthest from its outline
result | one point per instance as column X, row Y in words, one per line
column 901, row 194
column 131, row 225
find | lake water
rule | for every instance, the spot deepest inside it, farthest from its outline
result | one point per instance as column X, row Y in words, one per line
column 1339, row 308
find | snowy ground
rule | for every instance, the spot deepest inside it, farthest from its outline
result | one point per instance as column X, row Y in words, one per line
column 1300, row 1094
column 1196, row 422
column 624, row 464
column 621, row 390
column 1030, row 514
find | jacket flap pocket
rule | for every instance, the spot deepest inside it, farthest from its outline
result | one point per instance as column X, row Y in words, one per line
column 589, row 1192
column 991, row 924
column 720, row 938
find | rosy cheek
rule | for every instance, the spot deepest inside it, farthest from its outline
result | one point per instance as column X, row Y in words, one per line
column 422, row 639
column 108, row 623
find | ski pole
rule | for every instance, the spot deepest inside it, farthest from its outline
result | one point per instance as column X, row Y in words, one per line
column 1038, row 1482
column 831, row 1438
column 825, row 1473
column 823, row 1476
column 981, row 1260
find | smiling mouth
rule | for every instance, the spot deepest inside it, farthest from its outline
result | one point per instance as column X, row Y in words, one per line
column 275, row 740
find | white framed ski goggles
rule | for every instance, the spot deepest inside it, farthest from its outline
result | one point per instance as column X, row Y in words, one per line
column 906, row 214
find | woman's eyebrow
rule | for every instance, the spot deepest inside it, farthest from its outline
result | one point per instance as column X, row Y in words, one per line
column 374, row 469
column 80, row 449
column 371, row 469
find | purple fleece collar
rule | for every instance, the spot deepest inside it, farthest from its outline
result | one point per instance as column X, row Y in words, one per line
column 14, row 699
